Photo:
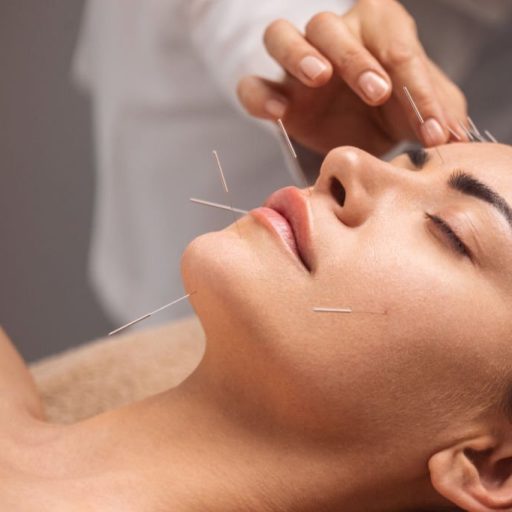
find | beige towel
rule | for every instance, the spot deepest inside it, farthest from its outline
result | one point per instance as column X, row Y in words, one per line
column 111, row 372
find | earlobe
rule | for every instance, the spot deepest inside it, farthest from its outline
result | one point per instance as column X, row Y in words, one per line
column 475, row 475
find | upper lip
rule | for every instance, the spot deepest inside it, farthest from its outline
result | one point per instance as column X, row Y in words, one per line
column 291, row 203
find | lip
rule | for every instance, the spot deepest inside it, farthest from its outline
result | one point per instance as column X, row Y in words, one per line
column 286, row 213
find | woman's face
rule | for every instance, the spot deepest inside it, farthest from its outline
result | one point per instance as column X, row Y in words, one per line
column 421, row 253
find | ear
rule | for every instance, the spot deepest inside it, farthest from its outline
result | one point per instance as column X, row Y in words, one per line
column 476, row 474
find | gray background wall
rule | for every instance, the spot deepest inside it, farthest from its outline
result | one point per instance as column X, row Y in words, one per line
column 46, row 181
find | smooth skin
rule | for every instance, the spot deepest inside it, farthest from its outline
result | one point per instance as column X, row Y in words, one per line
column 290, row 410
column 344, row 79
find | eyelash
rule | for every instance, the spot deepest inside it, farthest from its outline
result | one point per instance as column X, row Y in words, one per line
column 457, row 244
column 418, row 158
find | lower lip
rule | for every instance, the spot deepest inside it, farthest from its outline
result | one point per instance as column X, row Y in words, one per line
column 278, row 225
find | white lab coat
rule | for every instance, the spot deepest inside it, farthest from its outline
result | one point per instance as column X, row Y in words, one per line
column 162, row 76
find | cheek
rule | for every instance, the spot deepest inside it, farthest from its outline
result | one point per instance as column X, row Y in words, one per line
column 428, row 340
column 395, row 268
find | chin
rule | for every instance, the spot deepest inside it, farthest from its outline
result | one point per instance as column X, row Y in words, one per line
column 237, row 279
column 200, row 258
column 214, row 267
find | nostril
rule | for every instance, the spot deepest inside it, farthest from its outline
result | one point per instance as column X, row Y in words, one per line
column 337, row 191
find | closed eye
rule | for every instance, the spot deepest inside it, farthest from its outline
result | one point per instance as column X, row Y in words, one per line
column 454, row 240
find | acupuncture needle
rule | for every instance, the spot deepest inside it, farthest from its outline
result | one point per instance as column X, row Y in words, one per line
column 225, row 185
column 346, row 310
column 455, row 134
column 468, row 133
column 475, row 130
column 419, row 116
column 218, row 205
column 293, row 153
column 286, row 138
column 147, row 315
column 490, row 136
column 332, row 310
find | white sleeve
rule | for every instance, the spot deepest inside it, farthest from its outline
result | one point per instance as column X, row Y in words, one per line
column 228, row 34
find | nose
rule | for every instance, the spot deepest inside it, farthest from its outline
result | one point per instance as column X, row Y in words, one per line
column 354, row 180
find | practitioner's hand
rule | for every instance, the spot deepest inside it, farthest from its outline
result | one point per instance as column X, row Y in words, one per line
column 344, row 82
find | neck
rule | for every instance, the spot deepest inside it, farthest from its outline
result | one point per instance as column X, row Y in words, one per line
column 218, row 459
column 246, row 457
column 221, row 446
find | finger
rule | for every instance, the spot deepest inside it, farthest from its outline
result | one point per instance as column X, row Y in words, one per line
column 411, row 70
column 289, row 48
column 351, row 60
column 261, row 98
column 390, row 34
column 453, row 101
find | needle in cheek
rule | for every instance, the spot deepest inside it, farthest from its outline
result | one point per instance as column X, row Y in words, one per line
column 332, row 310
column 317, row 309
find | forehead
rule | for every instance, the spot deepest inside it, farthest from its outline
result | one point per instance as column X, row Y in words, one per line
column 489, row 162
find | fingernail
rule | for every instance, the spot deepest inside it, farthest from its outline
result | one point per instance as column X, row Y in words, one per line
column 275, row 108
column 373, row 85
column 312, row 67
column 432, row 132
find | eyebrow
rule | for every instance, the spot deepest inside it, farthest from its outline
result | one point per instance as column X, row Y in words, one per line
column 471, row 186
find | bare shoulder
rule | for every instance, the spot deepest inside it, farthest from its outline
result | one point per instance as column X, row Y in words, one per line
column 36, row 477
column 54, row 468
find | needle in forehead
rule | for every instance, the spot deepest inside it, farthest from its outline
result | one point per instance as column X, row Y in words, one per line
column 225, row 185
column 468, row 133
column 413, row 105
column 147, row 315
column 455, row 134
column 474, row 134
column 490, row 136
column 475, row 130
column 418, row 115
